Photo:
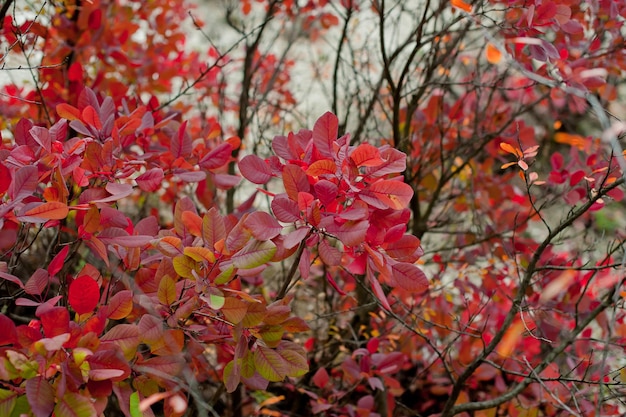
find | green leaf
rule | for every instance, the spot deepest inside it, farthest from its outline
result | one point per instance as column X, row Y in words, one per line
column 134, row 405
column 224, row 276
column 21, row 407
column 7, row 401
column 26, row 369
column 232, row 376
column 74, row 405
column 254, row 254
column 270, row 364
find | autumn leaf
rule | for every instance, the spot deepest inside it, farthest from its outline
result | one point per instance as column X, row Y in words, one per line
column 84, row 294
column 494, row 56
column 462, row 5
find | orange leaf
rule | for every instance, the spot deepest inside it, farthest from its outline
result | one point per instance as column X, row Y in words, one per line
column 511, row 338
column 510, row 149
column 494, row 55
column 570, row 139
column 462, row 5
column 68, row 112
column 53, row 210
column 91, row 117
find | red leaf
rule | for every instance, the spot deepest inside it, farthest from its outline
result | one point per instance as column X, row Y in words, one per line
column 57, row 262
column 8, row 332
column 254, row 169
column 394, row 162
column 333, row 284
column 295, row 181
column 366, row 155
column 325, row 133
column 75, row 72
column 40, row 396
column 24, row 182
column 41, row 135
column 321, row 378
column 55, row 321
column 91, row 118
column 117, row 191
column 262, row 225
column 84, row 294
column 151, row 180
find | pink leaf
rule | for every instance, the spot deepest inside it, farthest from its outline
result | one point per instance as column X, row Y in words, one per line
column 351, row 233
column 394, row 162
column 262, row 225
column 151, row 180
column 117, row 191
column 11, row 278
column 325, row 133
column 254, row 169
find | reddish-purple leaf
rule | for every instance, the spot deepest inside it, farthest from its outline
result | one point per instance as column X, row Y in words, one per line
column 326, row 191
column 388, row 194
column 254, row 169
column 351, row 233
column 406, row 249
column 334, row 284
column 181, row 142
column 57, row 262
column 394, row 162
column 151, row 180
column 22, row 133
column 12, row 278
column 84, row 294
column 74, row 405
column 190, row 176
column 40, row 396
column 285, row 210
column 262, row 225
column 295, row 181
column 125, row 337
column 213, row 228
column 218, row 157
column 325, row 133
column 37, row 283
column 8, row 333
column 292, row 239
column 377, row 289
column 225, row 181
column 24, row 182
column 108, row 360
column 330, row 255
column 409, row 277
column 131, row 241
column 117, row 191
column 41, row 135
